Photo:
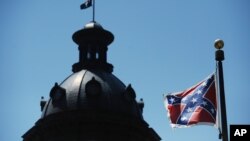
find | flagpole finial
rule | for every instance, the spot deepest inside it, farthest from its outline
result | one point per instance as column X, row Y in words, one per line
column 219, row 54
column 218, row 44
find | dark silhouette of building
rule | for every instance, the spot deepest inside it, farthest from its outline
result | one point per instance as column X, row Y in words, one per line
column 92, row 104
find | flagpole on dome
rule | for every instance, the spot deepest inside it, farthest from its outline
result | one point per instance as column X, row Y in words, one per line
column 219, row 57
column 93, row 10
column 87, row 4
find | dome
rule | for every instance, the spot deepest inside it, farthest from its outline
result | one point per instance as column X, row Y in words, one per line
column 92, row 103
column 91, row 90
column 92, row 86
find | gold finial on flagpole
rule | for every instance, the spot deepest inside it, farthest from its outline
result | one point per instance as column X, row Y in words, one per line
column 219, row 44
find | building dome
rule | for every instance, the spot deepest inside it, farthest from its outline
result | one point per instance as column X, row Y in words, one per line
column 91, row 104
column 90, row 90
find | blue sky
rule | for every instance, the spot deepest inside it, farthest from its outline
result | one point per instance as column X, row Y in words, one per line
column 160, row 46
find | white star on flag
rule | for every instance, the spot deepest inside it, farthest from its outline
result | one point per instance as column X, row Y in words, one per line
column 194, row 100
column 172, row 100
column 204, row 84
column 189, row 110
column 199, row 92
column 204, row 103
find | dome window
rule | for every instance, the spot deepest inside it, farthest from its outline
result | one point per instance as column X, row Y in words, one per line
column 129, row 93
column 93, row 88
column 57, row 94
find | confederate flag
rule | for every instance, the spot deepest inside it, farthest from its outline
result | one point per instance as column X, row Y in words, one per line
column 196, row 105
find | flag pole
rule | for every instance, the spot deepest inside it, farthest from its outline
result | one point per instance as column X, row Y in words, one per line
column 93, row 10
column 219, row 57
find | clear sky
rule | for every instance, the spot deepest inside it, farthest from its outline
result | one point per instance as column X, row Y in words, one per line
column 160, row 46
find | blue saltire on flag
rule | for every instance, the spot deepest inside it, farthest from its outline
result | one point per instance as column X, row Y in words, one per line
column 86, row 4
column 196, row 105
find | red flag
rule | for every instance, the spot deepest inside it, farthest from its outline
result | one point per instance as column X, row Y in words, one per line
column 196, row 105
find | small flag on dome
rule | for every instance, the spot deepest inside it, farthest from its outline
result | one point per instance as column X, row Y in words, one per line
column 196, row 105
column 86, row 4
